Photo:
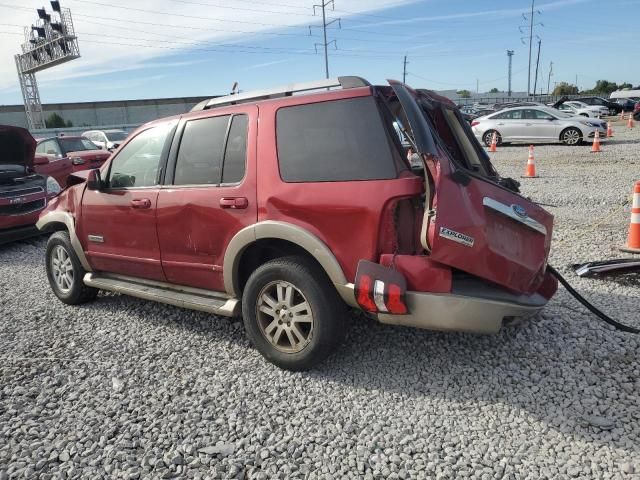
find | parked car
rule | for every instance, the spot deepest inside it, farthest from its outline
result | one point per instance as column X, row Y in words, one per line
column 536, row 124
column 316, row 210
column 23, row 193
column 106, row 139
column 626, row 104
column 612, row 107
column 79, row 151
column 575, row 109
column 594, row 111
column 636, row 112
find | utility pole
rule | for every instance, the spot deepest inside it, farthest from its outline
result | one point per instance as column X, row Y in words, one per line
column 549, row 79
column 325, row 24
column 477, row 86
column 535, row 84
column 510, row 55
column 530, row 38
column 404, row 70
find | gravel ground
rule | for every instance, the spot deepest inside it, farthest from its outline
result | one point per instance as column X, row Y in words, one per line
column 124, row 388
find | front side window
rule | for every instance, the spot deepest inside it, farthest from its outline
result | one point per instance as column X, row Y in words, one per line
column 138, row 163
column 540, row 115
column 334, row 141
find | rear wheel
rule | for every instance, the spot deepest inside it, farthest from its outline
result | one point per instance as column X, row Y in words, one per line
column 571, row 136
column 65, row 272
column 488, row 137
column 292, row 314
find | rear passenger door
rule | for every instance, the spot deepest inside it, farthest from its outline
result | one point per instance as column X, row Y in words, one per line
column 209, row 194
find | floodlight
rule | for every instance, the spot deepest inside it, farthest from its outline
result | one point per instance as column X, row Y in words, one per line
column 56, row 6
column 42, row 13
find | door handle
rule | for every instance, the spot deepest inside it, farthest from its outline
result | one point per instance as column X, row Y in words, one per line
column 234, row 202
column 141, row 203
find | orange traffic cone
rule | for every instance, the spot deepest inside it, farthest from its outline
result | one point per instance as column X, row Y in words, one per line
column 494, row 142
column 630, row 122
column 531, row 165
column 609, row 130
column 633, row 241
column 596, row 142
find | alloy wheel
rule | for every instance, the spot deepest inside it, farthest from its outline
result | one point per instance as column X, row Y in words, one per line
column 284, row 317
column 571, row 137
column 62, row 268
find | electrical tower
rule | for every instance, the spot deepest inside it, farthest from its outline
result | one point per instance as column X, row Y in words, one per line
column 531, row 25
column 549, row 78
column 535, row 83
column 510, row 55
column 50, row 42
column 325, row 24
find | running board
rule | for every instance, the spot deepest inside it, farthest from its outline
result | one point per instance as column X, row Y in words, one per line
column 179, row 296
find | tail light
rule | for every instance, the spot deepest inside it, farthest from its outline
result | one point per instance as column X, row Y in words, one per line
column 77, row 161
column 380, row 289
column 474, row 123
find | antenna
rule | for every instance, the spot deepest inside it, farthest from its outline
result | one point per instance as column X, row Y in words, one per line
column 50, row 42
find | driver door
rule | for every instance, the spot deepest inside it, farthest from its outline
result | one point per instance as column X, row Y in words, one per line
column 118, row 222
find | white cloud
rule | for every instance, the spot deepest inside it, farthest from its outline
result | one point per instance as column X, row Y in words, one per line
column 191, row 23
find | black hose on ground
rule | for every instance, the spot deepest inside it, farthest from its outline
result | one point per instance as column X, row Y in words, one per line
column 591, row 308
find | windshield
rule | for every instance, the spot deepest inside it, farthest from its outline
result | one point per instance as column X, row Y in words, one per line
column 115, row 136
column 77, row 144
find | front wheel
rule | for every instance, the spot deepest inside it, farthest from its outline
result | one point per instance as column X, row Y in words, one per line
column 292, row 314
column 487, row 138
column 65, row 272
column 571, row 136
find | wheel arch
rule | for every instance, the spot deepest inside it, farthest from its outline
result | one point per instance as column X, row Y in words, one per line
column 58, row 220
column 272, row 235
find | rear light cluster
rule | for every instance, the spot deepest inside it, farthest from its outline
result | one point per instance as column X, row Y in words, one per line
column 475, row 122
column 379, row 289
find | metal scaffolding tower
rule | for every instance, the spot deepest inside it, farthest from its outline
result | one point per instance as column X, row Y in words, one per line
column 50, row 42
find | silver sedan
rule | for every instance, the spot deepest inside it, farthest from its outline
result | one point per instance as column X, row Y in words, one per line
column 536, row 125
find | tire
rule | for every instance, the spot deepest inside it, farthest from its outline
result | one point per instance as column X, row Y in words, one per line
column 311, row 293
column 571, row 136
column 65, row 272
column 486, row 138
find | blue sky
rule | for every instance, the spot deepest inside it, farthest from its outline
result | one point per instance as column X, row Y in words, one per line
column 172, row 48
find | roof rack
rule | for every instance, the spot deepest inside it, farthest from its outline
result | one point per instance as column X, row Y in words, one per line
column 285, row 91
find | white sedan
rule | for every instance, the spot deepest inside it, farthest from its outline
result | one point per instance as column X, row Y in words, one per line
column 585, row 110
column 532, row 124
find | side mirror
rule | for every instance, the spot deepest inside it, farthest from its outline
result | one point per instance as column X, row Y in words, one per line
column 40, row 160
column 94, row 182
column 551, row 119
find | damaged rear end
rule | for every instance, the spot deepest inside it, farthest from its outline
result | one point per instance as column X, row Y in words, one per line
column 481, row 248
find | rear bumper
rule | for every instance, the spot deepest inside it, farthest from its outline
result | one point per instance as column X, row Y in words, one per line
column 18, row 233
column 473, row 306
column 461, row 313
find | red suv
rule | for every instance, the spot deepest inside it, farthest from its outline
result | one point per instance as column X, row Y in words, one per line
column 289, row 205
column 69, row 154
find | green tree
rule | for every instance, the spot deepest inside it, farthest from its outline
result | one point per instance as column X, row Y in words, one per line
column 563, row 88
column 604, row 87
column 494, row 90
column 56, row 121
column 625, row 85
column 464, row 93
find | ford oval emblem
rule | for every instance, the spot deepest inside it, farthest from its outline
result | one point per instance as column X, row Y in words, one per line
column 519, row 211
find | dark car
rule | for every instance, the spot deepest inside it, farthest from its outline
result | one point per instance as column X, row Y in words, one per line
column 627, row 104
column 82, row 152
column 613, row 107
column 23, row 193
column 636, row 112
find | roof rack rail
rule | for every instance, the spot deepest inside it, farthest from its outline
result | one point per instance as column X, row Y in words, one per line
column 284, row 91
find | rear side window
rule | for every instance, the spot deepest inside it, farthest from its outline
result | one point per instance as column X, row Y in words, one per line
column 212, row 150
column 333, row 141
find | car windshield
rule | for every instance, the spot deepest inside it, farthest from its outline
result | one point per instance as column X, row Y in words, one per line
column 115, row 136
column 77, row 144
